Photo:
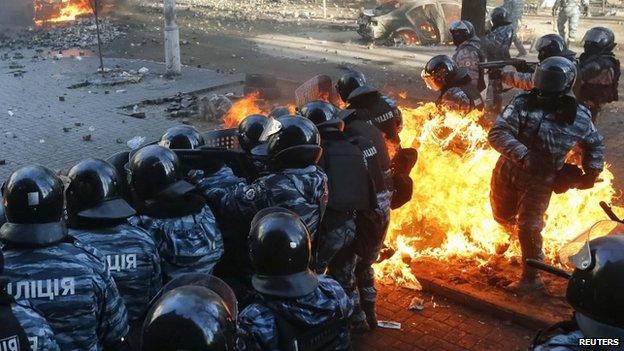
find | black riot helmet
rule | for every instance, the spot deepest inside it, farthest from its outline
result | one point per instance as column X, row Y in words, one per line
column 461, row 31
column 280, row 250
column 250, row 129
column 279, row 111
column 550, row 45
column 189, row 317
column 348, row 83
column 94, row 192
column 439, row 71
column 33, row 202
column 318, row 111
column 499, row 16
column 154, row 172
column 599, row 40
column 597, row 286
column 182, row 137
column 554, row 76
column 295, row 144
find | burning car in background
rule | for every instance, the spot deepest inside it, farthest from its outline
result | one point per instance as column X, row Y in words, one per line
column 410, row 22
column 54, row 11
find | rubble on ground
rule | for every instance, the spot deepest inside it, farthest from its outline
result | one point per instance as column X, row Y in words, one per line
column 77, row 34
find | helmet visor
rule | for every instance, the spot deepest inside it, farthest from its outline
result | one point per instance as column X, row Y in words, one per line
column 577, row 253
column 272, row 127
column 431, row 81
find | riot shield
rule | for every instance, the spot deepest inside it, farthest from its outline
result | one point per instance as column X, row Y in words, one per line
column 317, row 88
column 222, row 138
column 577, row 253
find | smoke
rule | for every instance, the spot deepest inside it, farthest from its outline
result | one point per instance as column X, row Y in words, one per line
column 16, row 13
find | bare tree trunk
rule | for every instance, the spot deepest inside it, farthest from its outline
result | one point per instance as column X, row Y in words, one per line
column 474, row 11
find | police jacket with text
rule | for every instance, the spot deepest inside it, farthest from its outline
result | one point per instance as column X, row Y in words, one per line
column 69, row 283
column 133, row 262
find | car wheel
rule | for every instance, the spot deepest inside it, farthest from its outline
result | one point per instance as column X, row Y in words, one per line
column 405, row 37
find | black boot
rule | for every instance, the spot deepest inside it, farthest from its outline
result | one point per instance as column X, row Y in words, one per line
column 371, row 315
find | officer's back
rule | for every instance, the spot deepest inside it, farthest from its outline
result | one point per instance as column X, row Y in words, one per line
column 293, row 180
column 179, row 220
column 22, row 328
column 97, row 216
column 294, row 308
column 65, row 280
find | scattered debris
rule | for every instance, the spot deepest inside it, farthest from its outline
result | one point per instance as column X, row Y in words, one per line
column 80, row 33
column 41, row 141
column 139, row 115
column 66, row 129
column 417, row 304
column 10, row 113
column 143, row 70
column 61, row 98
column 2, row 162
column 120, row 91
column 119, row 141
column 91, row 128
column 78, row 124
column 87, row 137
column 10, row 135
column 389, row 325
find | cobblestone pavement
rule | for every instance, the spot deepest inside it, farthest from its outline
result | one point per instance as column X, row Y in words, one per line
column 37, row 127
column 442, row 325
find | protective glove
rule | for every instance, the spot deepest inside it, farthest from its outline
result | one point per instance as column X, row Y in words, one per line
column 587, row 180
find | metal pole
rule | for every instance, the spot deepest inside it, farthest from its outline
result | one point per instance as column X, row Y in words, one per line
column 324, row 8
column 94, row 5
column 172, row 40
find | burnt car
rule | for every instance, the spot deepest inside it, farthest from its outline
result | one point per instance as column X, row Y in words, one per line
column 422, row 22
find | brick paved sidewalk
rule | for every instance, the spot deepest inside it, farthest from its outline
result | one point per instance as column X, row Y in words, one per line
column 448, row 326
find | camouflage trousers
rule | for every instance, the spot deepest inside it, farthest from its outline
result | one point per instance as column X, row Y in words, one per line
column 519, row 201
column 569, row 16
column 371, row 232
column 333, row 249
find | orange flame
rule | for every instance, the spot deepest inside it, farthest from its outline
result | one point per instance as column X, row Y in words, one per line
column 449, row 215
column 60, row 10
column 242, row 108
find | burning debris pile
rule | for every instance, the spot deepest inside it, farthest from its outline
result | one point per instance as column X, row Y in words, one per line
column 77, row 34
column 55, row 11
column 449, row 217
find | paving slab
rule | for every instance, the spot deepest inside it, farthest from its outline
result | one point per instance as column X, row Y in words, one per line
column 42, row 121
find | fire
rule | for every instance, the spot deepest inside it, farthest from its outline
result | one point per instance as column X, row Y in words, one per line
column 54, row 11
column 242, row 108
column 449, row 215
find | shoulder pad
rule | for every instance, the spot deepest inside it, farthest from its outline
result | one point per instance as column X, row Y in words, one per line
column 361, row 91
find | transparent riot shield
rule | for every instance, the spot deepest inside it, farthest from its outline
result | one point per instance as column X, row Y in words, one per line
column 577, row 253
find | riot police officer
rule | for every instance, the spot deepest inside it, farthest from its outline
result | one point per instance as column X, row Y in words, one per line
column 349, row 184
column 594, row 291
column 468, row 53
column 177, row 218
column 294, row 306
column 442, row 74
column 21, row 327
column 59, row 276
column 294, row 180
column 547, row 46
column 532, row 159
column 371, row 223
column 193, row 312
column 97, row 216
column 599, row 70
